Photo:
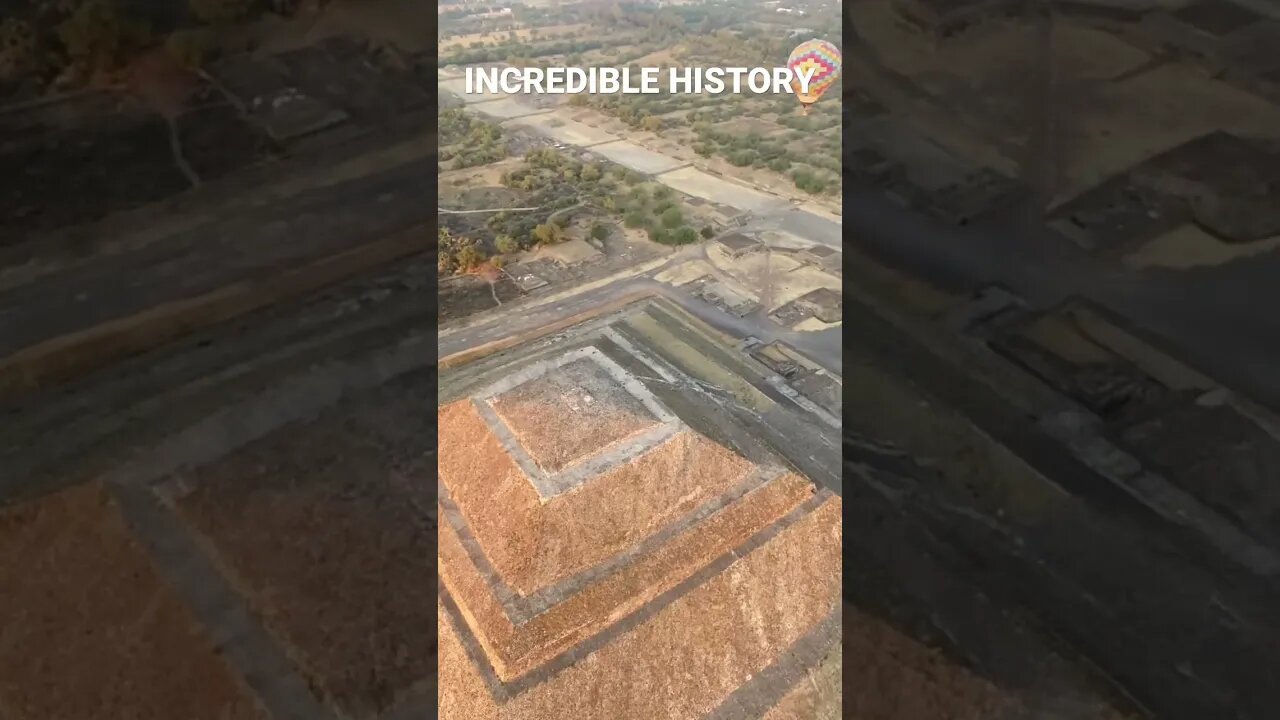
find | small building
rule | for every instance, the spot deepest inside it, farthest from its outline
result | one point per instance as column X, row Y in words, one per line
column 818, row 254
column 571, row 252
column 737, row 245
column 527, row 282
column 824, row 303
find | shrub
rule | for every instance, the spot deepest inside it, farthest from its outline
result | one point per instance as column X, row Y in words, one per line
column 469, row 258
column 599, row 231
column 672, row 218
column 506, row 244
column 97, row 35
column 548, row 234
column 708, row 232
column 685, row 235
column 17, row 48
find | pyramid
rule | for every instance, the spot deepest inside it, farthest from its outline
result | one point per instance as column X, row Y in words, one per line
column 602, row 557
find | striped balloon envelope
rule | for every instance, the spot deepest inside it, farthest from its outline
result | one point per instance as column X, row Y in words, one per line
column 824, row 59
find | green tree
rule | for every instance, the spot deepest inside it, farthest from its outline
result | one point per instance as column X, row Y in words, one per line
column 672, row 218
column 17, row 48
column 685, row 235
column 506, row 244
column 658, row 234
column 446, row 264
column 708, row 232
column 548, row 234
column 636, row 219
column 98, row 34
column 470, row 257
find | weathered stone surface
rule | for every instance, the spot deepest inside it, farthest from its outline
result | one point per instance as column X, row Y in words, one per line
column 90, row 629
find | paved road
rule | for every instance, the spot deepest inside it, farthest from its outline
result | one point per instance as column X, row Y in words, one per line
column 800, row 223
column 823, row 347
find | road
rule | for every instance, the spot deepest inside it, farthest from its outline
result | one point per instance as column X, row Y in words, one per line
column 801, row 223
column 822, row 347
column 447, row 211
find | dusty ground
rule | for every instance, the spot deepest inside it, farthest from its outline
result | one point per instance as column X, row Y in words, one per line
column 1190, row 247
column 90, row 628
column 634, row 156
column 889, row 676
column 697, row 183
column 546, row 32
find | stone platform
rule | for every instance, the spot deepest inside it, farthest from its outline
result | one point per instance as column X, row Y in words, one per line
column 623, row 539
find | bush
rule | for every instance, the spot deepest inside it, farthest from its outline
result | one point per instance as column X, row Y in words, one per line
column 469, row 258
column 780, row 165
column 548, row 234
column 506, row 244
column 636, row 219
column 17, row 48
column 659, row 235
column 685, row 235
column 97, row 35
column 708, row 232
column 599, row 231
column 672, row 218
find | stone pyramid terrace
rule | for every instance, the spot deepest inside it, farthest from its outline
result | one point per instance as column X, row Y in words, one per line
column 621, row 539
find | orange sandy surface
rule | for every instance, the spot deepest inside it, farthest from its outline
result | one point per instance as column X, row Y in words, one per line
column 532, row 545
column 687, row 658
column 570, row 413
column 316, row 531
column 89, row 629
column 514, row 650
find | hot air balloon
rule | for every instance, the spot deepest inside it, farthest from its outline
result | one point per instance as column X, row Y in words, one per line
column 824, row 59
